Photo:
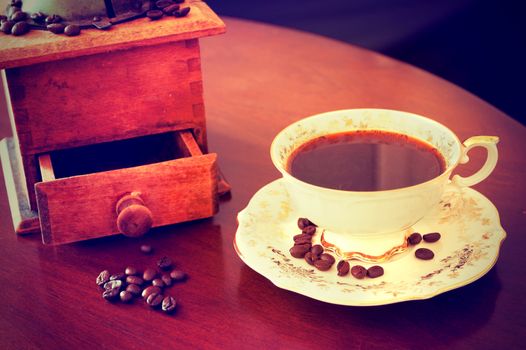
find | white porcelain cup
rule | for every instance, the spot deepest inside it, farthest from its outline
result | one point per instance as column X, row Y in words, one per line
column 376, row 212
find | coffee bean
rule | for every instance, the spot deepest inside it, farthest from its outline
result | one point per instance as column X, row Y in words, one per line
column 358, row 271
column 424, row 254
column 11, row 9
column 164, row 263
column 167, row 279
column 375, row 271
column 303, row 222
column 18, row 16
column 130, row 270
column 182, row 12
column 118, row 276
column 299, row 251
column 343, row 268
column 302, row 239
column 309, row 230
column 17, row 3
column 432, row 237
column 134, row 289
column 414, row 238
column 328, row 257
column 149, row 274
column 111, row 294
column 154, row 300
column 7, row 26
column 150, row 290
column 316, row 249
column 102, row 278
column 158, row 283
column 56, row 28
column 38, row 17
column 169, row 10
column 134, row 280
column 126, row 296
column 168, row 304
column 310, row 258
column 53, row 19
column 163, row 3
column 154, row 14
column 178, row 275
column 115, row 284
column 146, row 249
column 72, row 30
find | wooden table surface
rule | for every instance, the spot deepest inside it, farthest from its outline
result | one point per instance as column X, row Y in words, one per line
column 258, row 79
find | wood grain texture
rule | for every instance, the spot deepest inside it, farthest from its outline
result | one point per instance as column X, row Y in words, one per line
column 83, row 207
column 40, row 46
column 260, row 78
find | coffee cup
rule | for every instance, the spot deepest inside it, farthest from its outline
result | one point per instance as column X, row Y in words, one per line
column 352, row 216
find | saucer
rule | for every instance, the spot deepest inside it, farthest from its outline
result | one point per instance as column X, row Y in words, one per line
column 471, row 237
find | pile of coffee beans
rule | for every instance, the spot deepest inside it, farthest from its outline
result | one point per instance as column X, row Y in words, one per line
column 149, row 284
column 315, row 255
column 167, row 8
column 423, row 253
column 17, row 22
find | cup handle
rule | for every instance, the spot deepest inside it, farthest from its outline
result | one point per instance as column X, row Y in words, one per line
column 490, row 144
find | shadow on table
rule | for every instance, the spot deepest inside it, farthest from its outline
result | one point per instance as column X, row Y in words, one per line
column 443, row 319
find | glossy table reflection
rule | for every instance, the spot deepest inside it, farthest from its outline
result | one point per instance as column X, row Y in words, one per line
column 258, row 79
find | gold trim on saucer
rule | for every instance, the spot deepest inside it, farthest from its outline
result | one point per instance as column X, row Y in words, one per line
column 362, row 256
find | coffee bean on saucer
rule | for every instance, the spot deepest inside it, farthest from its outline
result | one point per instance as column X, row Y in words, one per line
column 72, row 30
column 310, row 258
column 414, row 238
column 18, row 16
column 150, row 290
column 146, row 249
column 167, row 279
column 168, row 304
column 111, row 294
column 375, row 271
column 178, row 275
column 358, row 271
column 324, row 262
column 154, row 14
column 343, row 268
column 149, row 274
column 304, row 222
column 302, row 238
column 134, row 289
column 158, row 283
column 56, row 28
column 163, row 3
column 164, row 263
column 154, row 300
column 103, row 277
column 309, row 230
column 134, row 280
column 38, row 17
column 299, row 250
column 424, row 254
column 126, row 296
column 130, row 270
column 114, row 284
column 432, row 237
column 316, row 249
column 53, row 19
column 118, row 276
column 20, row 28
column 169, row 10
column 182, row 12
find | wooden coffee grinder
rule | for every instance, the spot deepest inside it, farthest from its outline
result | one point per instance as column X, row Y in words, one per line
column 109, row 131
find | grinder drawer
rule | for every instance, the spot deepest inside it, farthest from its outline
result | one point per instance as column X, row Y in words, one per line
column 74, row 207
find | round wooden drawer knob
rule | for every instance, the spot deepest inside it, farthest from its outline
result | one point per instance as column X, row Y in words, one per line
column 134, row 219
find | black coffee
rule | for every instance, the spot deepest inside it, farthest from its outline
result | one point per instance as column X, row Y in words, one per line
column 366, row 160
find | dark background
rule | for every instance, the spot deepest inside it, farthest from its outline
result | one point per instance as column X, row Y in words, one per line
column 479, row 45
